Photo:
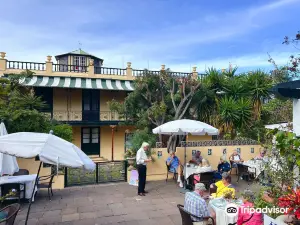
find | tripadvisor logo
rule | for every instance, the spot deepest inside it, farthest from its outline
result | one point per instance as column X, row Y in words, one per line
column 231, row 211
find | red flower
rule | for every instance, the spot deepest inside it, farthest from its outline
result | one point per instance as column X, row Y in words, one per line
column 297, row 213
column 291, row 201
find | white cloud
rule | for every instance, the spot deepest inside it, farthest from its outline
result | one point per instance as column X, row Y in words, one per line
column 33, row 43
column 258, row 60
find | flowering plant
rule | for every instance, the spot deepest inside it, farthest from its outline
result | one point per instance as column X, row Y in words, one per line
column 11, row 193
column 291, row 201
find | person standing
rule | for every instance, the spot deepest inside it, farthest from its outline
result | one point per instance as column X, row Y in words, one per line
column 141, row 161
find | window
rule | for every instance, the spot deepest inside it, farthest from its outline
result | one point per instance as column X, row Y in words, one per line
column 209, row 152
column 86, row 136
column 215, row 137
column 79, row 62
column 95, row 135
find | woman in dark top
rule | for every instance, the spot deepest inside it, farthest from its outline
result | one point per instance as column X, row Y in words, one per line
column 223, row 166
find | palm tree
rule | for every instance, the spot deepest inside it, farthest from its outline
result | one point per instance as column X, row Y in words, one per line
column 258, row 84
column 233, row 114
column 214, row 79
column 230, row 73
column 235, row 87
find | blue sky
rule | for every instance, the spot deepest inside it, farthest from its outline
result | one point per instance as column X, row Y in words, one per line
column 179, row 34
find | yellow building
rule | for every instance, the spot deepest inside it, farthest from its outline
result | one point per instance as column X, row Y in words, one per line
column 77, row 89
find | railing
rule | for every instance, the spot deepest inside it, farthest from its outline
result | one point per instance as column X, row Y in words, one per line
column 110, row 71
column 91, row 115
column 90, row 69
column 69, row 68
column 115, row 171
column 110, row 116
column 138, row 73
column 25, row 65
column 212, row 143
column 180, row 74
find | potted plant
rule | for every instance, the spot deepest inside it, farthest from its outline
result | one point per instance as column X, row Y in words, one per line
column 291, row 201
column 130, row 157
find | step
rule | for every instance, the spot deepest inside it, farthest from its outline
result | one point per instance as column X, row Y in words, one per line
column 97, row 158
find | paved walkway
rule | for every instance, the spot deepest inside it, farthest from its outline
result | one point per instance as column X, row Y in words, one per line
column 114, row 204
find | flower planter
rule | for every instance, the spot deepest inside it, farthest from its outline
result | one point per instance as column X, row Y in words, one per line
column 131, row 163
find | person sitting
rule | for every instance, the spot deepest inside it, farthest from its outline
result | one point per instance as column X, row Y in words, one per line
column 222, row 186
column 244, row 215
column 195, row 204
column 175, row 166
column 197, row 159
column 262, row 154
column 235, row 158
column 202, row 168
column 223, row 166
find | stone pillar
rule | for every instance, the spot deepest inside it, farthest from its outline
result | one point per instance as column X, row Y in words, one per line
column 49, row 64
column 2, row 61
column 129, row 70
column 195, row 73
column 163, row 67
column 91, row 68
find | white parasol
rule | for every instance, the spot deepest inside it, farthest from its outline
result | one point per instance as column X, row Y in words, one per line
column 8, row 163
column 50, row 149
column 185, row 127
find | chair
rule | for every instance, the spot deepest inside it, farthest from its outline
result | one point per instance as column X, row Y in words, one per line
column 175, row 174
column 7, row 188
column 242, row 170
column 21, row 172
column 47, row 185
column 231, row 167
column 12, row 211
column 206, row 178
column 187, row 217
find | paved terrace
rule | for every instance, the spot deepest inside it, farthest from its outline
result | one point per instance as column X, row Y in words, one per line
column 114, row 204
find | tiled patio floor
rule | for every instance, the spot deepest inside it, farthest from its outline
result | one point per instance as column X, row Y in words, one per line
column 109, row 204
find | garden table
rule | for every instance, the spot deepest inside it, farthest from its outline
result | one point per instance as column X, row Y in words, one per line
column 255, row 166
column 28, row 180
column 219, row 206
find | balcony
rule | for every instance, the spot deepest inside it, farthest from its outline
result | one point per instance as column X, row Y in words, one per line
column 85, row 116
column 51, row 69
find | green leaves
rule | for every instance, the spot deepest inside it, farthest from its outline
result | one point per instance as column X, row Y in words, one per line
column 20, row 109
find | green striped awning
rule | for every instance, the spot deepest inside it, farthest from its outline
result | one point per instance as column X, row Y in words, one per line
column 76, row 82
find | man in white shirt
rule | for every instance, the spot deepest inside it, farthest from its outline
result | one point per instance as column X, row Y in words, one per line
column 141, row 161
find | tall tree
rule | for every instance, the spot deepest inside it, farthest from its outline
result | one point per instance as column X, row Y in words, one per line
column 157, row 99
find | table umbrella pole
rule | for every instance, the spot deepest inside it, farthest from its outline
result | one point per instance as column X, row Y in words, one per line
column 33, row 191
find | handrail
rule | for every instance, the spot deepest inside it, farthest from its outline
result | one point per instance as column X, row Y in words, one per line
column 110, row 71
column 25, row 65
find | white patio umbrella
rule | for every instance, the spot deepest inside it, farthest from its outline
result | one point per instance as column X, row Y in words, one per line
column 185, row 127
column 50, row 149
column 8, row 163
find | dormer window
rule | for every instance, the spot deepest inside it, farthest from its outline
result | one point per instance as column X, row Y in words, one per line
column 80, row 63
column 79, row 60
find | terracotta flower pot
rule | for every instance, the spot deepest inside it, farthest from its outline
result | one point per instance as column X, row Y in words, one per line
column 131, row 163
column 267, row 198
